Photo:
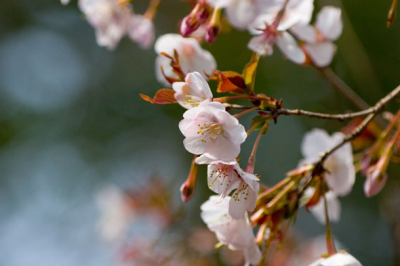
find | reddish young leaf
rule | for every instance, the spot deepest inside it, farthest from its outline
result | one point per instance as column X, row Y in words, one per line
column 229, row 81
column 163, row 96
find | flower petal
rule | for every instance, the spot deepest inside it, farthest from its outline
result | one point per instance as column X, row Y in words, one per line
column 321, row 53
column 289, row 47
column 329, row 22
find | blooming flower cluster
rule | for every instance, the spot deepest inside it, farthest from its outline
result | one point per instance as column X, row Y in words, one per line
column 214, row 136
column 113, row 19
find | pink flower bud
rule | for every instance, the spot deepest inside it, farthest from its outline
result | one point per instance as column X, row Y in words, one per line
column 189, row 25
column 188, row 188
column 211, row 34
column 376, row 180
column 203, row 15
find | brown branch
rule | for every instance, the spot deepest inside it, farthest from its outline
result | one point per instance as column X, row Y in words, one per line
column 349, row 93
column 340, row 117
column 357, row 131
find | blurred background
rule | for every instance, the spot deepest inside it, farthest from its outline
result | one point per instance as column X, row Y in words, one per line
column 75, row 137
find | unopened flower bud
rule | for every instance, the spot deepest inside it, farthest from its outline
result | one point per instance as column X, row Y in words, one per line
column 189, row 24
column 376, row 174
column 211, row 34
column 376, row 180
column 203, row 15
column 189, row 186
column 213, row 27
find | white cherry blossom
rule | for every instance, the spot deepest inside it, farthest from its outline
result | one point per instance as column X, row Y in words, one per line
column 318, row 210
column 297, row 12
column 338, row 259
column 212, row 131
column 193, row 91
column 340, row 174
column 318, row 39
column 224, row 177
column 191, row 56
column 236, row 234
column 109, row 18
column 262, row 44
column 141, row 31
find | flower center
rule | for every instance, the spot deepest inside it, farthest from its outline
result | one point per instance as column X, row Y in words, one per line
column 210, row 131
column 221, row 173
column 193, row 100
column 241, row 192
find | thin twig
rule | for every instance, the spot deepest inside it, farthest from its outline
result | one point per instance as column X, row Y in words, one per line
column 376, row 109
column 340, row 117
column 236, row 107
column 349, row 93
column 246, row 111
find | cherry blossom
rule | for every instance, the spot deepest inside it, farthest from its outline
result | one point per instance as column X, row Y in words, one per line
column 224, row 177
column 191, row 56
column 212, row 131
column 141, row 30
column 193, row 91
column 318, row 210
column 340, row 172
column 109, row 18
column 262, row 44
column 296, row 12
column 269, row 32
column 65, row 2
column 318, row 40
column 236, row 234
column 339, row 259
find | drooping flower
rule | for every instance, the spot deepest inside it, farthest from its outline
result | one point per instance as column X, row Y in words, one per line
column 109, row 18
column 191, row 56
column 141, row 31
column 340, row 171
column 318, row 40
column 339, row 259
column 193, row 91
column 212, row 131
column 224, row 177
column 318, row 210
column 236, row 234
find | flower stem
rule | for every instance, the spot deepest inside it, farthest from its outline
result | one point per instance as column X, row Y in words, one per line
column 252, row 158
column 246, row 112
column 330, row 242
column 152, row 9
